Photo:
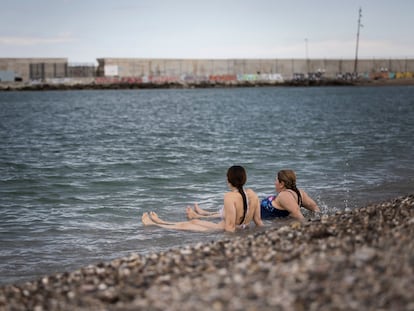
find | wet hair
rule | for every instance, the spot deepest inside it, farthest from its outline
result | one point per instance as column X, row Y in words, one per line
column 236, row 175
column 288, row 177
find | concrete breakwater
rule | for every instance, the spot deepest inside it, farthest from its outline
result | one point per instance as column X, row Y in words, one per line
column 355, row 260
column 129, row 84
column 88, row 84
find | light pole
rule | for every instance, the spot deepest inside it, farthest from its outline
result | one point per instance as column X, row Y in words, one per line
column 307, row 55
column 357, row 42
column 306, row 47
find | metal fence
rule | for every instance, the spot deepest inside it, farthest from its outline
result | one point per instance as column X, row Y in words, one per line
column 41, row 71
column 81, row 70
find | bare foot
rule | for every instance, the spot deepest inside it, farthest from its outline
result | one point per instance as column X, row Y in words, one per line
column 146, row 220
column 191, row 214
column 200, row 213
column 157, row 220
column 198, row 210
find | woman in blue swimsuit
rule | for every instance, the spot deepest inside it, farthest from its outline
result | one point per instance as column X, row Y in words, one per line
column 289, row 199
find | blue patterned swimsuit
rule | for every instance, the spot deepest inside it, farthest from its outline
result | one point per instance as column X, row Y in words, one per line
column 268, row 211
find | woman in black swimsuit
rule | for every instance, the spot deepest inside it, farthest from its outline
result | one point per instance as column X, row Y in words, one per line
column 241, row 206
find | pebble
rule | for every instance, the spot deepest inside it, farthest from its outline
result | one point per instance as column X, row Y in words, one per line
column 360, row 259
column 364, row 254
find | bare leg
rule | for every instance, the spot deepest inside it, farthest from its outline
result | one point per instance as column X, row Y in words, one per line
column 154, row 216
column 157, row 220
column 191, row 214
column 153, row 219
column 193, row 225
column 198, row 213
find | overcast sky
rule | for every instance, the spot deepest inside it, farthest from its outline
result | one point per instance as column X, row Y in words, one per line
column 83, row 30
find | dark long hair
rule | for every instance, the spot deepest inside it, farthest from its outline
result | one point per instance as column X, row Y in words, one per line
column 236, row 175
column 289, row 178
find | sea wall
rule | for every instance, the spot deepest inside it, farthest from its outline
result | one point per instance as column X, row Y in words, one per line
column 33, row 70
column 285, row 69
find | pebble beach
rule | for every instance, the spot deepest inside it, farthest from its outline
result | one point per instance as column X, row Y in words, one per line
column 361, row 259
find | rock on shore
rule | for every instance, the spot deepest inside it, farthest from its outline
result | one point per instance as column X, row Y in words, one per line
column 356, row 260
column 20, row 86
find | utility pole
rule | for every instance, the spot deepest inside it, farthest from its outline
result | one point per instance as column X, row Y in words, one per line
column 357, row 42
column 307, row 55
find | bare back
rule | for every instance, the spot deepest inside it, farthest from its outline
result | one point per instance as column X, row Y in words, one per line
column 233, row 209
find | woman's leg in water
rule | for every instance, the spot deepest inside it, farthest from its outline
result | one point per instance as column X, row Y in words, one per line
column 197, row 213
column 193, row 225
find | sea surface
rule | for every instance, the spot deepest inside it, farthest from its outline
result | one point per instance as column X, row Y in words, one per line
column 78, row 168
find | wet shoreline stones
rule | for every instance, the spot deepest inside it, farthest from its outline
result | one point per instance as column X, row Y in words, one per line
column 19, row 86
column 355, row 260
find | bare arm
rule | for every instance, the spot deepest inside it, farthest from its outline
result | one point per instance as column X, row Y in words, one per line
column 308, row 202
column 255, row 204
column 257, row 218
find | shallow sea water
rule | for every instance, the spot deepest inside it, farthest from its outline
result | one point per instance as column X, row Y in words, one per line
column 78, row 168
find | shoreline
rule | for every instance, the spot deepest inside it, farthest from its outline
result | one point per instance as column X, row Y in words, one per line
column 354, row 260
column 121, row 86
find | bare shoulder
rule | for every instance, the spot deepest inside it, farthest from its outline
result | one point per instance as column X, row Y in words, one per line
column 285, row 197
column 250, row 191
column 229, row 195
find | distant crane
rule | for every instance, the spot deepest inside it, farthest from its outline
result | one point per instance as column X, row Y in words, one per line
column 357, row 42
